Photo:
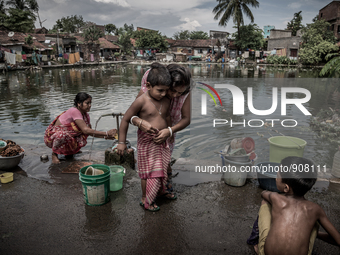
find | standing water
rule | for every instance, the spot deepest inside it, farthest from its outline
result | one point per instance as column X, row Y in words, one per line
column 30, row 101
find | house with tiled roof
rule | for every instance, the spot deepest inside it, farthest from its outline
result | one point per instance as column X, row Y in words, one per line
column 11, row 40
column 112, row 38
column 42, row 30
column 107, row 48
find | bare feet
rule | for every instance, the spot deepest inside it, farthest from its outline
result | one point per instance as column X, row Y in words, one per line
column 55, row 159
column 256, row 249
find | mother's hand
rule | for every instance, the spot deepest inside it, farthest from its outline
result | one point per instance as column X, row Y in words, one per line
column 161, row 136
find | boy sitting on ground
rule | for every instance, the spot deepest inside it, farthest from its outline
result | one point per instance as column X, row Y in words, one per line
column 153, row 159
column 287, row 223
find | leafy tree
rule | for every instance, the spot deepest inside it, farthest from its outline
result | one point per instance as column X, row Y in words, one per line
column 296, row 23
column 126, row 29
column 150, row 40
column 20, row 16
column 20, row 21
column 29, row 40
column 3, row 15
column 226, row 9
column 124, row 43
column 317, row 42
column 70, row 24
column 198, row 35
column 124, row 34
column 251, row 36
column 332, row 66
column 92, row 34
column 110, row 28
column 24, row 5
column 182, row 35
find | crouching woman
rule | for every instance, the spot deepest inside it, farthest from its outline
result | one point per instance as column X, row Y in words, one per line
column 68, row 133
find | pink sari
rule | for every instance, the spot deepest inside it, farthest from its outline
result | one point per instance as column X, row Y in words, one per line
column 65, row 139
column 175, row 107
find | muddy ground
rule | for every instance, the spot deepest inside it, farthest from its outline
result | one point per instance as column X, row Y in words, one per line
column 43, row 212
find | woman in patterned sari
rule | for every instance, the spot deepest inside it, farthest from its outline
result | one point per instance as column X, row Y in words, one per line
column 68, row 133
column 180, row 111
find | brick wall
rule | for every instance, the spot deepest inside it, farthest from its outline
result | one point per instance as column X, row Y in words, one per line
column 331, row 13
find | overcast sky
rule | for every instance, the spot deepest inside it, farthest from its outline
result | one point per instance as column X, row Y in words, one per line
column 170, row 16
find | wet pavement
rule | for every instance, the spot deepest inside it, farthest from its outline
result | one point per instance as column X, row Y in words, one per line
column 43, row 212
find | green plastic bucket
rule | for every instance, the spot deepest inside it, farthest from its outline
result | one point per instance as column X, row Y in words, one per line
column 284, row 146
column 96, row 188
column 116, row 179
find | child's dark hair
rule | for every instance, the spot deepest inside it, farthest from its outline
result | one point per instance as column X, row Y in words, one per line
column 159, row 75
column 180, row 76
column 299, row 174
column 80, row 98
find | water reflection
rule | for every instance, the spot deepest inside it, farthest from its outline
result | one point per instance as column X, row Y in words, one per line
column 30, row 101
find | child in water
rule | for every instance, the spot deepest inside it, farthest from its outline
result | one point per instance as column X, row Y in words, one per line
column 153, row 159
column 288, row 224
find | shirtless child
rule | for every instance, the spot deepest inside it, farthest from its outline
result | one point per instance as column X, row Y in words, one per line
column 291, row 229
column 153, row 159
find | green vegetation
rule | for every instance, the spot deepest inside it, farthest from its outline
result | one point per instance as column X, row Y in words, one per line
column 69, row 24
column 92, row 34
column 193, row 35
column 29, row 40
column 333, row 65
column 251, row 36
column 317, row 42
column 110, row 28
column 227, row 9
column 182, row 35
column 150, row 40
column 20, row 16
column 296, row 23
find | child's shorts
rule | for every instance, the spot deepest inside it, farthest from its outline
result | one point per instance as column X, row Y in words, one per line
column 265, row 218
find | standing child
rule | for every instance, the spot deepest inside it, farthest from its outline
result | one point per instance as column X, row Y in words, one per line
column 153, row 159
column 288, row 223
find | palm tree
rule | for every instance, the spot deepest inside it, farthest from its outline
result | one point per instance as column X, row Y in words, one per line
column 332, row 66
column 234, row 9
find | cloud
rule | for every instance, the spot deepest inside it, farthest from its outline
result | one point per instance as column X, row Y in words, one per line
column 122, row 3
column 188, row 25
column 294, row 5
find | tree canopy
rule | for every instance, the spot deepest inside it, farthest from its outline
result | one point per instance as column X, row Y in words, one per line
column 69, row 24
column 182, row 35
column 19, row 14
column 149, row 39
column 251, row 36
column 110, row 28
column 92, row 34
column 317, row 42
column 198, row 35
column 296, row 23
column 227, row 9
column 193, row 35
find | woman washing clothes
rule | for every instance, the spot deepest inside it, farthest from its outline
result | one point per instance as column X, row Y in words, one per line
column 180, row 112
column 68, row 133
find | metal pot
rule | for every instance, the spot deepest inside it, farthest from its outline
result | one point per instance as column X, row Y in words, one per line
column 11, row 162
